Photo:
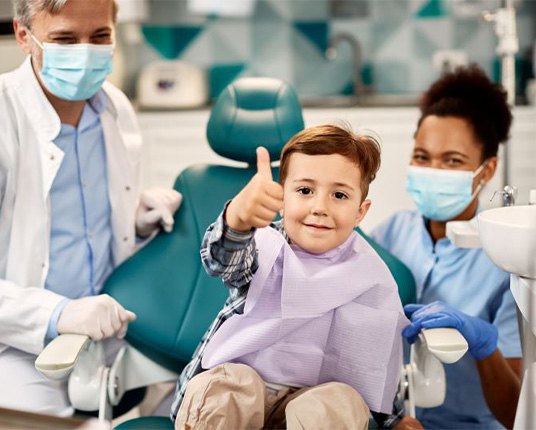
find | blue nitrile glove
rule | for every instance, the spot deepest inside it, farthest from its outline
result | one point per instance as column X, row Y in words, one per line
column 481, row 336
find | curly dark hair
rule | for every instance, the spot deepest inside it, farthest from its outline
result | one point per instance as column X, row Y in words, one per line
column 467, row 93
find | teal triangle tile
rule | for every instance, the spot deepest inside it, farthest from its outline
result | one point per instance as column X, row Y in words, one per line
column 170, row 41
column 432, row 9
column 221, row 75
column 315, row 32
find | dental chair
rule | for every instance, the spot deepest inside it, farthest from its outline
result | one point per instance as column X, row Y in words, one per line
column 164, row 283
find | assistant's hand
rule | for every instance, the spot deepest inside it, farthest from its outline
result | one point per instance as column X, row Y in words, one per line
column 259, row 201
column 480, row 335
column 408, row 423
column 98, row 317
column 156, row 207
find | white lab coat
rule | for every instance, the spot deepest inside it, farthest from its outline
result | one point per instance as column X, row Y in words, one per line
column 29, row 161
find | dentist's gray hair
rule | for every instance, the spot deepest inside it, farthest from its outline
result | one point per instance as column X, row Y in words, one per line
column 25, row 10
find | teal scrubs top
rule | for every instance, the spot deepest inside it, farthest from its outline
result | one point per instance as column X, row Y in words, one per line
column 467, row 280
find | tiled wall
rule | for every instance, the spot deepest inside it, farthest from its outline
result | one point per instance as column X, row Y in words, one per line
column 288, row 38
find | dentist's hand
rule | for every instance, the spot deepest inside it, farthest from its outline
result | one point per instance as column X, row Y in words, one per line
column 480, row 335
column 259, row 201
column 98, row 317
column 156, row 207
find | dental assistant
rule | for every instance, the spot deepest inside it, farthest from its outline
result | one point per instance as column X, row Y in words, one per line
column 464, row 117
column 70, row 208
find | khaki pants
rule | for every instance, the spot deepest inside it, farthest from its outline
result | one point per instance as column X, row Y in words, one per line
column 234, row 397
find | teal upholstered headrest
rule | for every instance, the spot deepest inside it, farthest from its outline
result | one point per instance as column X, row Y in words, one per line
column 253, row 112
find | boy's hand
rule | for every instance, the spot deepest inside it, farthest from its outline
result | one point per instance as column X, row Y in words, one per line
column 259, row 201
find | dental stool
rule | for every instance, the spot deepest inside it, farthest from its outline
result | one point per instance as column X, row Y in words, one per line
column 164, row 283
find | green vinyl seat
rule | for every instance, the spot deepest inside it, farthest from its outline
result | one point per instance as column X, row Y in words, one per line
column 165, row 283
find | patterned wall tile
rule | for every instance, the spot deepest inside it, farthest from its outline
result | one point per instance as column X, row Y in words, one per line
column 287, row 39
column 432, row 9
column 314, row 74
column 170, row 41
column 316, row 32
column 271, row 53
column 309, row 10
column 393, row 43
column 392, row 77
column 221, row 75
column 230, row 41
column 393, row 11
column 431, row 36
column 272, row 10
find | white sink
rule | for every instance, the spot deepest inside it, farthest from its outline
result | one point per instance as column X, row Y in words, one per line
column 508, row 236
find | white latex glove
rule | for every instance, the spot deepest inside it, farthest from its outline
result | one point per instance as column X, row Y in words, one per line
column 157, row 206
column 98, row 317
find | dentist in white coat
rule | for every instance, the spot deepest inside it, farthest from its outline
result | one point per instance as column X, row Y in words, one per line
column 70, row 210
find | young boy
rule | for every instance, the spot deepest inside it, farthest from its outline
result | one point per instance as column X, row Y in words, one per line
column 310, row 336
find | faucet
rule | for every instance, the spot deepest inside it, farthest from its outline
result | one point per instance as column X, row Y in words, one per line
column 509, row 194
column 331, row 53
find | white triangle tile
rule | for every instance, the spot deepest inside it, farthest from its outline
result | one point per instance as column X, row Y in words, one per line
column 439, row 32
column 199, row 51
column 230, row 41
column 271, row 54
column 399, row 45
column 282, row 7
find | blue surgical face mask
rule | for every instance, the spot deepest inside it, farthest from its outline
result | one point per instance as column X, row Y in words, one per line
column 441, row 194
column 75, row 71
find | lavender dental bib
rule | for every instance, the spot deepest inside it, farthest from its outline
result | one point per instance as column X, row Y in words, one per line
column 310, row 319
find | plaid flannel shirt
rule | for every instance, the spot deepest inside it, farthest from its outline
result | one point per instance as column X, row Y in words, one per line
column 231, row 255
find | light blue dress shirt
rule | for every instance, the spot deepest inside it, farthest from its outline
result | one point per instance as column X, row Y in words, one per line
column 81, row 231
column 467, row 280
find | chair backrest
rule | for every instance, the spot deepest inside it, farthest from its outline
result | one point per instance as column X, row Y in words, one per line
column 164, row 283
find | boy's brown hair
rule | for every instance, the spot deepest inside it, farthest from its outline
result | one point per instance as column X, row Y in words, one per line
column 362, row 150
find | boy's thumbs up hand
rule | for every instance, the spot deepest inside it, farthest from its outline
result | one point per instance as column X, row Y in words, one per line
column 263, row 163
column 259, row 201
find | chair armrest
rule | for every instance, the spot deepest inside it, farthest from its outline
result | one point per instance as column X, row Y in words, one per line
column 59, row 357
column 447, row 344
column 423, row 382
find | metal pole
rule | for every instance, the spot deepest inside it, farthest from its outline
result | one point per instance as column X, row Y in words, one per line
column 507, row 48
column 504, row 20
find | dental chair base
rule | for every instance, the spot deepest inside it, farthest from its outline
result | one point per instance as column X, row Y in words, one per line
column 93, row 385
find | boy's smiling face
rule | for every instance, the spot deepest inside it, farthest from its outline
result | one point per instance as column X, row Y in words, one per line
column 322, row 201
